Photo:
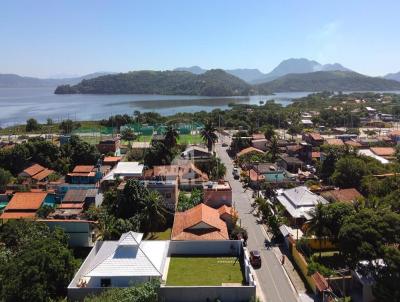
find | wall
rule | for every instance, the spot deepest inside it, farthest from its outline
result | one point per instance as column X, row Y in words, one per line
column 302, row 265
column 207, row 293
column 325, row 244
column 79, row 232
column 212, row 247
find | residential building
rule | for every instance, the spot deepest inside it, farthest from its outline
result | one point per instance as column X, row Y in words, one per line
column 121, row 263
column 80, row 232
column 188, row 174
column 334, row 142
column 388, row 153
column 25, row 205
column 124, row 170
column 248, row 151
column 36, row 174
column 342, row 195
column 261, row 144
column 200, row 223
column 369, row 153
column 290, row 163
column 84, row 174
column 196, row 153
column 298, row 203
column 139, row 149
column 110, row 145
column 217, row 193
column 313, row 138
column 111, row 161
column 79, row 196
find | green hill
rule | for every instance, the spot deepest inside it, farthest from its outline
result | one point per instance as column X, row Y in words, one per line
column 214, row 82
column 327, row 81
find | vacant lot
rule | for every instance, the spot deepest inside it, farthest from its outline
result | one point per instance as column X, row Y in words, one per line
column 212, row 271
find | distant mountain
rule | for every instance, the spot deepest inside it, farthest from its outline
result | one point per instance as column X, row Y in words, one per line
column 16, row 81
column 192, row 69
column 327, row 80
column 393, row 76
column 214, row 82
column 301, row 65
column 248, row 75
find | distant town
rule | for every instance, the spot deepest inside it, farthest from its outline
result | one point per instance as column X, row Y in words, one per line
column 253, row 203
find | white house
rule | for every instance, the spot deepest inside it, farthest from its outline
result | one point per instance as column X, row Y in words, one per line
column 125, row 170
column 122, row 263
column 299, row 202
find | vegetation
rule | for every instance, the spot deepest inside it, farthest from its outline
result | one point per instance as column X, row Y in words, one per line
column 211, row 83
column 211, row 271
column 145, row 292
column 186, row 202
column 208, row 135
column 5, row 178
column 32, row 125
column 327, row 81
column 35, row 263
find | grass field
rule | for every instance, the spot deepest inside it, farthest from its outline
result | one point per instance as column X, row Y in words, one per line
column 165, row 235
column 189, row 139
column 211, row 271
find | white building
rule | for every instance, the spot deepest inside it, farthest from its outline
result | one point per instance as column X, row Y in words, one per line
column 125, row 170
column 299, row 202
column 122, row 263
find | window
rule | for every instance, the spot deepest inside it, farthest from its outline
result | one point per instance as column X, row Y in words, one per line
column 106, row 282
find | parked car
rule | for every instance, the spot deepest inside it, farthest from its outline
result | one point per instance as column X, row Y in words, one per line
column 255, row 259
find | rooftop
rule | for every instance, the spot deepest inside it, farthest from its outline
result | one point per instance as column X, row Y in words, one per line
column 383, row 151
column 334, row 142
column 125, row 169
column 42, row 174
column 222, row 185
column 34, row 169
column 26, row 201
column 249, row 150
column 344, row 195
column 83, row 169
column 199, row 223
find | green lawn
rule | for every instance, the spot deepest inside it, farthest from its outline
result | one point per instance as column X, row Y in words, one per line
column 211, row 271
column 189, row 139
column 165, row 235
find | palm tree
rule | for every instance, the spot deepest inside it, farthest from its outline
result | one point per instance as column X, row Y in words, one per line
column 274, row 148
column 171, row 137
column 153, row 213
column 208, row 135
column 317, row 225
column 218, row 169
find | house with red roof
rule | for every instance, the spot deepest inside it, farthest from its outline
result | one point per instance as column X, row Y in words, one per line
column 24, row 205
column 202, row 223
column 36, row 174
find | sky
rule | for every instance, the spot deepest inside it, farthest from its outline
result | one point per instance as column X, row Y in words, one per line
column 75, row 37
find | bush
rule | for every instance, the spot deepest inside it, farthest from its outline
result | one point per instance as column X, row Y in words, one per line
column 303, row 246
column 314, row 267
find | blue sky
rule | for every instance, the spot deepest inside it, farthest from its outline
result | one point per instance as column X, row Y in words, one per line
column 54, row 37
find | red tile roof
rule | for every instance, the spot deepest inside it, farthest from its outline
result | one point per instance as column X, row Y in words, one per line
column 112, row 159
column 83, row 169
column 383, row 151
column 320, row 282
column 343, row 195
column 249, row 150
column 353, row 144
column 26, row 201
column 17, row 215
column 315, row 154
column 66, row 205
column 42, row 174
column 226, row 210
column 254, row 176
column 34, row 169
column 316, row 136
column 199, row 223
column 334, row 142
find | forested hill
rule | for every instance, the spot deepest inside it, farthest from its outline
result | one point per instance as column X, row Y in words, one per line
column 327, row 81
column 214, row 82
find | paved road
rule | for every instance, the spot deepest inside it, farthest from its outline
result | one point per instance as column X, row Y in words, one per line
column 272, row 280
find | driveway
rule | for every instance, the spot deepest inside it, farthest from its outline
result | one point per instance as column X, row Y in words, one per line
column 272, row 280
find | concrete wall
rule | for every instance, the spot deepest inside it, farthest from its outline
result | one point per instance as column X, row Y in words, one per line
column 79, row 232
column 206, row 293
column 212, row 247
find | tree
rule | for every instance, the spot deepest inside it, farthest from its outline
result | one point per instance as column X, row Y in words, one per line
column 269, row 132
column 49, row 122
column 318, row 224
column 38, row 265
column 32, row 125
column 274, row 149
column 5, row 177
column 158, row 154
column 145, row 292
column 218, row 169
column 153, row 212
column 335, row 214
column 208, row 135
column 171, row 137
column 349, row 172
column 67, row 126
column 364, row 234
column 80, row 152
column 128, row 135
column 387, row 277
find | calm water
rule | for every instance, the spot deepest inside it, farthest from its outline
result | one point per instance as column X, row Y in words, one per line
column 19, row 104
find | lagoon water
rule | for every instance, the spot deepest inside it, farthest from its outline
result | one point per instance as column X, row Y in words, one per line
column 19, row 104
